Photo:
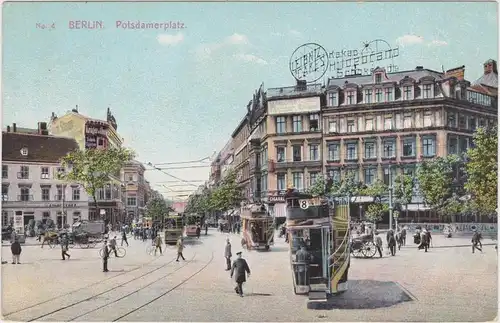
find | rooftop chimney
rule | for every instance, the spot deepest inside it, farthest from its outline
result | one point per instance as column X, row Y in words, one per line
column 419, row 68
column 14, row 127
column 8, row 128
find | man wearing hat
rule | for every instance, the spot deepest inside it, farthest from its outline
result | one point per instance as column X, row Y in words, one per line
column 241, row 267
column 228, row 254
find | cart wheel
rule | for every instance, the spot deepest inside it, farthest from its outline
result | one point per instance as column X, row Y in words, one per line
column 369, row 250
column 101, row 252
column 357, row 253
column 121, row 252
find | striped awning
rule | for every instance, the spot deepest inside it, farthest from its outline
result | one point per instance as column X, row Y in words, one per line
column 280, row 210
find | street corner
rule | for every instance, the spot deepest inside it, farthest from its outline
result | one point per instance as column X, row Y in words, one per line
column 365, row 294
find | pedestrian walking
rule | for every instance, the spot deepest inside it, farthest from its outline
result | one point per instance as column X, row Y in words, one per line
column 64, row 247
column 158, row 243
column 228, row 254
column 424, row 240
column 198, row 231
column 180, row 248
column 378, row 243
column 403, row 236
column 240, row 268
column 105, row 257
column 206, row 229
column 476, row 240
column 112, row 246
column 124, row 238
column 391, row 242
column 16, row 249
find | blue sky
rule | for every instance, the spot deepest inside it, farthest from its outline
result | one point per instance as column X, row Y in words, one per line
column 178, row 94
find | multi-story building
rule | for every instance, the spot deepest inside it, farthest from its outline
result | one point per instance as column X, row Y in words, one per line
column 93, row 133
column 30, row 188
column 135, row 190
column 240, row 163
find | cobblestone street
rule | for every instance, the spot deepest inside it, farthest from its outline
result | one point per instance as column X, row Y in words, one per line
column 443, row 284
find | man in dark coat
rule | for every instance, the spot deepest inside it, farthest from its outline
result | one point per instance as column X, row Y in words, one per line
column 105, row 256
column 391, row 242
column 241, row 267
column 476, row 240
column 16, row 249
column 228, row 254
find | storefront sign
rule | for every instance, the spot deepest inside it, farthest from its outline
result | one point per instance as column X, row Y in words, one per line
column 66, row 205
column 311, row 61
column 18, row 221
column 294, row 106
column 96, row 130
column 276, row 199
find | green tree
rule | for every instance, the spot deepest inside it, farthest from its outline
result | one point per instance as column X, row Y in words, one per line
column 158, row 208
column 437, row 180
column 227, row 195
column 93, row 168
column 378, row 191
column 482, row 171
column 318, row 187
column 403, row 190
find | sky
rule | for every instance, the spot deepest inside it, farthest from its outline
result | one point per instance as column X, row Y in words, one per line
column 178, row 93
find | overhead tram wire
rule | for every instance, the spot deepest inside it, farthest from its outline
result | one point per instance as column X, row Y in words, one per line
column 164, row 172
column 185, row 162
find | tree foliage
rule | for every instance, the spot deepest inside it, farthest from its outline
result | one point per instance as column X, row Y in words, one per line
column 378, row 191
column 157, row 208
column 403, row 190
column 438, row 180
column 200, row 203
column 375, row 211
column 227, row 195
column 324, row 186
column 482, row 171
column 92, row 168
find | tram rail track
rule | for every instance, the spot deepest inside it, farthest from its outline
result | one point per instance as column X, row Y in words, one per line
column 79, row 289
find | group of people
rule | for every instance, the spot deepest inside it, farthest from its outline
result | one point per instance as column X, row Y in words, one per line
column 231, row 228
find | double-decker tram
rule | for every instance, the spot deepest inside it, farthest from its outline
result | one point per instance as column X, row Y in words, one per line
column 318, row 231
column 257, row 228
column 192, row 222
column 174, row 228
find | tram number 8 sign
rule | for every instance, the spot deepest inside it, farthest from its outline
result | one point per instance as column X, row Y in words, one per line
column 304, row 204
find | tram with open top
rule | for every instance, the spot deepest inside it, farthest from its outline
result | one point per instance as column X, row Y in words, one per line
column 192, row 222
column 257, row 227
column 174, row 228
column 318, row 231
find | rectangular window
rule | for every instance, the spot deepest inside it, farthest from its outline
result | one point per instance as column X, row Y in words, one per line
column 429, row 146
column 313, row 122
column 351, row 126
column 462, row 121
column 60, row 193
column 408, row 147
column 297, row 153
column 25, row 194
column 280, row 125
column 409, row 170
column 389, row 175
column 313, row 152
column 332, row 126
column 351, row 151
column 298, row 181
column 350, row 97
column 427, row 91
column 281, row 179
column 297, row 123
column 334, row 174
column 407, row 121
column 131, row 201
column 368, row 96
column 333, row 99
column 76, row 194
column 24, row 173
column 263, row 186
column 370, row 151
column 370, row 175
column 387, row 123
column 334, row 152
column 453, row 146
column 354, row 172
column 407, row 93
column 45, row 194
column 389, row 148
column 312, row 178
column 44, row 174
column 452, row 120
column 368, row 124
column 463, row 144
column 428, row 119
column 100, row 194
column 5, row 219
column 107, row 191
column 281, row 154
column 482, row 123
column 388, row 95
column 472, row 123
column 5, row 192
column 378, row 78
column 5, row 171
column 378, row 95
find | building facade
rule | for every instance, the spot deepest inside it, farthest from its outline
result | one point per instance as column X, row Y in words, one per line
column 92, row 133
column 375, row 126
column 134, row 191
column 30, row 188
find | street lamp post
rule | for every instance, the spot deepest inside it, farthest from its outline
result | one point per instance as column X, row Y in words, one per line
column 390, row 198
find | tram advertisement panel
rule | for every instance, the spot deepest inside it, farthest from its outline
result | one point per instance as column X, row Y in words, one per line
column 340, row 261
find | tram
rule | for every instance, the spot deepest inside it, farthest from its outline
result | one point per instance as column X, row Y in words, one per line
column 192, row 222
column 173, row 229
column 318, row 231
column 258, row 227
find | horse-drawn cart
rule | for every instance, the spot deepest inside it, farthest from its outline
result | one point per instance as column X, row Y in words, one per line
column 363, row 246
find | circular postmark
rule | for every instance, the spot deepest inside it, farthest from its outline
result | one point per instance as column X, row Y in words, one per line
column 309, row 62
